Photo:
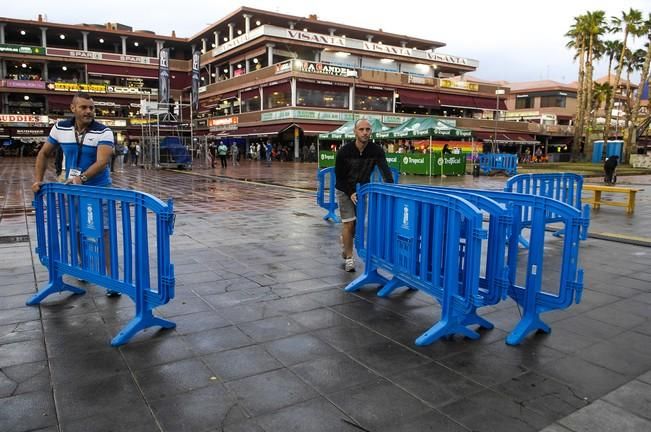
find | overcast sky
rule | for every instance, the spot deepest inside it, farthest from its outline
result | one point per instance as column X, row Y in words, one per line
column 513, row 40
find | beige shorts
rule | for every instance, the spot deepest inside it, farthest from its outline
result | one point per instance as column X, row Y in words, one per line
column 347, row 210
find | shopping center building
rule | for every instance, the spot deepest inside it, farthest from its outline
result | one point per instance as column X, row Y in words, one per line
column 264, row 76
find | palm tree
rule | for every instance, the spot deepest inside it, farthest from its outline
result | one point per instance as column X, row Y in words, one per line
column 645, row 76
column 629, row 23
column 601, row 93
column 611, row 49
column 577, row 42
column 594, row 25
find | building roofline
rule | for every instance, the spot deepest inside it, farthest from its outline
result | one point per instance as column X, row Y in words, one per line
column 101, row 28
column 303, row 20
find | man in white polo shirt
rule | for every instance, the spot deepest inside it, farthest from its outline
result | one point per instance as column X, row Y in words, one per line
column 86, row 144
column 87, row 147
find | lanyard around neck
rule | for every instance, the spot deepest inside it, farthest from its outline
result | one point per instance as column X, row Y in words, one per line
column 80, row 144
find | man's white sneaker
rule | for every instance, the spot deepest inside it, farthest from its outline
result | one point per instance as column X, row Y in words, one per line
column 349, row 264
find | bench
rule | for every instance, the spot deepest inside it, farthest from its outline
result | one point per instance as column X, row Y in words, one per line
column 596, row 200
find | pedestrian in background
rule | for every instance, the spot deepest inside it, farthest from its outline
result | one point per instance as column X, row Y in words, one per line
column 222, row 151
column 235, row 154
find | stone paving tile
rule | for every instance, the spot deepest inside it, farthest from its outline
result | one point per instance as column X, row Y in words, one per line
column 270, row 391
column 542, row 394
column 26, row 412
column 78, row 400
column 137, row 418
column 316, row 415
column 266, row 338
column 490, row 411
column 24, row 378
column 378, row 403
column 216, row 340
column 586, row 380
column 436, row 384
column 634, row 397
column 207, row 408
column 241, row 362
column 155, row 352
column 604, row 417
column 16, row 353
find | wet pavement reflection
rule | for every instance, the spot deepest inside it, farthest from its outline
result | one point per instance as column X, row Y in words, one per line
column 266, row 340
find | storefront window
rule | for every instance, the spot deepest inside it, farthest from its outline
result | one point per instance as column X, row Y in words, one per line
column 373, row 100
column 552, row 101
column 523, row 102
column 323, row 96
column 250, row 101
column 277, row 96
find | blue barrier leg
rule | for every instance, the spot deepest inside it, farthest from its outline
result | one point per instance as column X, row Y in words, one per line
column 449, row 325
column 372, row 277
column 529, row 323
column 559, row 233
column 523, row 241
column 390, row 287
column 332, row 215
column 445, row 327
column 140, row 322
column 473, row 319
column 52, row 288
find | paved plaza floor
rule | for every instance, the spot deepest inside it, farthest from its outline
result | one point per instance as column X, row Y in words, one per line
column 266, row 339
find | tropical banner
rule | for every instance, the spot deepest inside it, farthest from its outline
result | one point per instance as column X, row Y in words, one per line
column 414, row 163
column 196, row 58
column 164, row 76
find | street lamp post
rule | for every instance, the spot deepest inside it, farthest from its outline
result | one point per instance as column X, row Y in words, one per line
column 498, row 92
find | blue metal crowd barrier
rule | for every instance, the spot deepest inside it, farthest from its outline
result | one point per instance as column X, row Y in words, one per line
column 81, row 233
column 564, row 187
column 489, row 162
column 493, row 279
column 329, row 203
column 376, row 175
column 498, row 280
column 530, row 295
column 326, row 176
column 417, row 236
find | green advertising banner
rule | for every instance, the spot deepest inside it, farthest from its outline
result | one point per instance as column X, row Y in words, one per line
column 21, row 49
column 451, row 164
column 413, row 163
column 393, row 159
column 326, row 159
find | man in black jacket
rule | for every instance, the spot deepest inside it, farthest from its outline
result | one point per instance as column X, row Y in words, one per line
column 354, row 163
column 609, row 170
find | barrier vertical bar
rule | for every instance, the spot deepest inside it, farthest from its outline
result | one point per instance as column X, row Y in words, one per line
column 531, row 318
column 127, row 246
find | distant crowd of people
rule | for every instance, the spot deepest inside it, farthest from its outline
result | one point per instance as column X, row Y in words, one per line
column 258, row 151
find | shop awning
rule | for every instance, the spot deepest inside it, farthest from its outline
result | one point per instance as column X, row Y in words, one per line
column 59, row 101
column 561, row 141
column 346, row 130
column 524, row 138
column 505, row 138
column 423, row 127
column 457, row 101
column 101, row 69
column 262, row 130
column 313, row 128
column 471, row 102
column 487, row 103
column 418, row 98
